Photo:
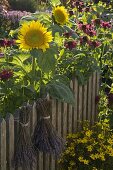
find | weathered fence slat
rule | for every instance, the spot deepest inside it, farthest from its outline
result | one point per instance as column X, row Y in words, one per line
column 64, row 123
column 75, row 89
column 84, row 102
column 70, row 113
column 80, row 107
column 59, row 118
column 46, row 162
column 89, row 99
column 53, row 118
column 97, row 92
column 16, row 131
column 33, row 122
column 40, row 160
column 93, row 97
column 10, row 140
column 3, row 144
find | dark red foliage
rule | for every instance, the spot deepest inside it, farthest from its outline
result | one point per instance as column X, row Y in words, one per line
column 78, row 4
column 3, row 42
column 83, row 40
column 87, row 28
column 97, row 99
column 10, row 43
column 6, row 74
column 67, row 34
column 71, row 13
column 87, row 9
column 97, row 21
column 70, row 44
column 6, row 43
column 110, row 99
column 94, row 44
column 105, row 24
column 90, row 32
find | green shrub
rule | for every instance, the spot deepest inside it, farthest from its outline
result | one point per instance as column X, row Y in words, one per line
column 23, row 5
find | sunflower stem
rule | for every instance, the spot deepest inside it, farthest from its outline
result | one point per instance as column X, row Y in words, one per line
column 33, row 71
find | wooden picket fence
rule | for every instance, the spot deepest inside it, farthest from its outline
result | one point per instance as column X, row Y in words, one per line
column 64, row 117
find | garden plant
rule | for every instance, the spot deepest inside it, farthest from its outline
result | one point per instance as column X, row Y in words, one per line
column 42, row 51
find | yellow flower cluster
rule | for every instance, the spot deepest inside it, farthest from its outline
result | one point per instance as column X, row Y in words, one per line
column 81, row 159
column 100, row 156
column 90, row 146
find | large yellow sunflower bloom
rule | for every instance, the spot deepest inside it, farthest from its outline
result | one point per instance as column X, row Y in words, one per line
column 34, row 35
column 61, row 15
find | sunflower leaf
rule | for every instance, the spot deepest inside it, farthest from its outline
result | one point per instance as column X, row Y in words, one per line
column 55, row 2
column 47, row 60
column 60, row 91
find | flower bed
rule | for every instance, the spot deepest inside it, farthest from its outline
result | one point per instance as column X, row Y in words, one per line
column 40, row 53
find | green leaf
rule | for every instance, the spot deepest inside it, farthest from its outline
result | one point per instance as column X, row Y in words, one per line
column 46, row 60
column 56, row 28
column 61, row 78
column 55, row 2
column 35, row 52
column 61, row 92
column 43, row 17
column 26, row 19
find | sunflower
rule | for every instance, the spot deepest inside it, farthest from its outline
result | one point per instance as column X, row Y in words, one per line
column 61, row 15
column 34, row 35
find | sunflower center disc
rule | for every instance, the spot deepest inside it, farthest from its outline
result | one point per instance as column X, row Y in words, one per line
column 34, row 38
column 60, row 17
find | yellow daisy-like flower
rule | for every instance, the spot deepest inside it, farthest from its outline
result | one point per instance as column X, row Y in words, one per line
column 89, row 148
column 61, row 15
column 94, row 156
column 86, row 162
column 34, row 35
column 88, row 133
column 81, row 158
column 102, row 156
column 110, row 141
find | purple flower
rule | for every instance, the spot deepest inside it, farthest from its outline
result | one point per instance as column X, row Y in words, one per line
column 1, row 55
column 15, row 16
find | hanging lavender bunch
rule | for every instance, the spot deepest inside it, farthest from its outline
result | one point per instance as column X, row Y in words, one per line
column 45, row 137
column 24, row 155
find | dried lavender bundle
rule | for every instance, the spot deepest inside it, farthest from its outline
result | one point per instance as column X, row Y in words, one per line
column 45, row 137
column 24, row 155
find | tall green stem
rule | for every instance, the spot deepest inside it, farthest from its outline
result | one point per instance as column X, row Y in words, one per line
column 33, row 71
column 33, row 65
